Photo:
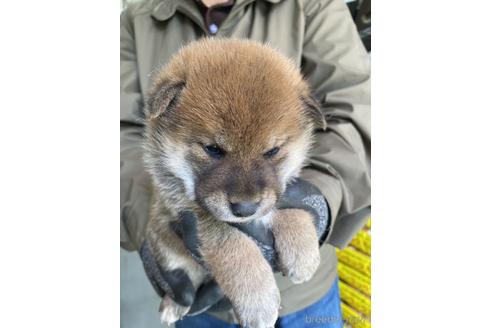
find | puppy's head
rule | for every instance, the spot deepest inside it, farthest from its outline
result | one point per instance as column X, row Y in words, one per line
column 231, row 121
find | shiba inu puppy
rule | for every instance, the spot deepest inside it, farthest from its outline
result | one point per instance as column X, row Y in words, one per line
column 228, row 124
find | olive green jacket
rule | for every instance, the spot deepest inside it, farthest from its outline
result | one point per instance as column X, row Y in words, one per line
column 320, row 37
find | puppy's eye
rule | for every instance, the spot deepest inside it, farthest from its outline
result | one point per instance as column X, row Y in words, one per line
column 214, row 151
column 272, row 152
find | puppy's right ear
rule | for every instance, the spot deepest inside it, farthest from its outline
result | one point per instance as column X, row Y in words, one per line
column 313, row 109
column 163, row 99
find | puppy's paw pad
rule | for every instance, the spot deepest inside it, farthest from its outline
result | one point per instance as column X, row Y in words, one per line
column 171, row 311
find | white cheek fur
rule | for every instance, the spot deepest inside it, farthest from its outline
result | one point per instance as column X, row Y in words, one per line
column 292, row 165
column 179, row 167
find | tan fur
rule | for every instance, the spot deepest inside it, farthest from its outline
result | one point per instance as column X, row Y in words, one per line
column 296, row 243
column 246, row 99
column 242, row 273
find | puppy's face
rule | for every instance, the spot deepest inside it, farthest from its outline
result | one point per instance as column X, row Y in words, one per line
column 234, row 135
column 239, row 166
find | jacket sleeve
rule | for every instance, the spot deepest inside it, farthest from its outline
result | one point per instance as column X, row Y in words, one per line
column 337, row 66
column 134, row 182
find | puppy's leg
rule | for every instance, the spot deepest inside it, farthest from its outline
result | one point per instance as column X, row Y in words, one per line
column 243, row 274
column 296, row 243
column 171, row 254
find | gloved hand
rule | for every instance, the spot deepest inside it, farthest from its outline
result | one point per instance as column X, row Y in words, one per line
column 177, row 284
column 300, row 194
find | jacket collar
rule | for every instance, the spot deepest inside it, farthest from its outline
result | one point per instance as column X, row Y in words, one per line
column 162, row 10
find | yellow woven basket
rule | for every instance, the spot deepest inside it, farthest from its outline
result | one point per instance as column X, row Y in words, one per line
column 354, row 271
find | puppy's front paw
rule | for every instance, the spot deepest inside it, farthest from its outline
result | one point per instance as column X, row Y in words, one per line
column 171, row 311
column 246, row 278
column 297, row 244
column 259, row 309
column 300, row 265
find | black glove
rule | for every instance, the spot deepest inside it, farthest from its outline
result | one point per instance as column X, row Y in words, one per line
column 303, row 195
column 178, row 285
column 300, row 194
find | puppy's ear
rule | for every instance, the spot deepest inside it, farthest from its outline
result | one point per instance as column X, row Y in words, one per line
column 313, row 110
column 163, row 99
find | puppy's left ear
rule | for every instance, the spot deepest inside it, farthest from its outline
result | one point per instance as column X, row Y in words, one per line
column 163, row 99
column 313, row 110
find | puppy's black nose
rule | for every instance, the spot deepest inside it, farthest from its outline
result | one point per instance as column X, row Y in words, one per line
column 244, row 209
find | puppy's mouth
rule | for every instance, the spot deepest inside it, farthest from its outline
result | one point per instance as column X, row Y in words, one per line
column 218, row 206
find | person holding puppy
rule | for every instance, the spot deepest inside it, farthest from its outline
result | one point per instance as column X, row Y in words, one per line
column 320, row 37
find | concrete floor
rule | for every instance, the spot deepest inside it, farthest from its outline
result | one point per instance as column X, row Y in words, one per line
column 139, row 303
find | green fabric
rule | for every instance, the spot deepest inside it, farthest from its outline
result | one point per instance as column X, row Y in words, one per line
column 321, row 38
